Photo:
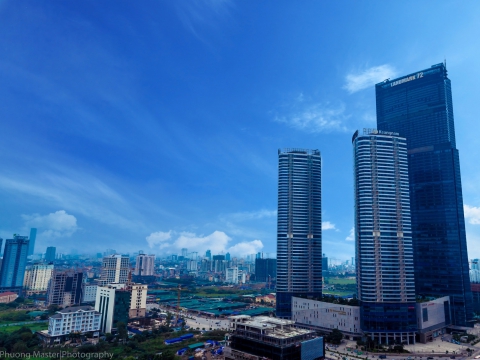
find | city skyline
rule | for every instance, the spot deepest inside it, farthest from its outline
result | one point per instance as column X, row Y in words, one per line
column 158, row 125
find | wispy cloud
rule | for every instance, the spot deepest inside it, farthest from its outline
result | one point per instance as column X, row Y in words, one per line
column 251, row 215
column 472, row 214
column 351, row 236
column 369, row 77
column 171, row 242
column 327, row 225
column 314, row 117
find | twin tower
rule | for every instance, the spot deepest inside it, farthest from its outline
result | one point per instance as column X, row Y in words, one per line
column 409, row 223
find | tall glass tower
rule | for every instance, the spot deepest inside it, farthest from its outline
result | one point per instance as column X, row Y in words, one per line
column 14, row 264
column 383, row 237
column 299, row 227
column 419, row 107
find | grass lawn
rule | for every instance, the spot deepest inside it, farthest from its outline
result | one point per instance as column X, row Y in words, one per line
column 33, row 327
column 334, row 281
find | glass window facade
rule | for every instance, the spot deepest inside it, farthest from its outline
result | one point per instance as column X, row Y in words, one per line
column 383, row 237
column 299, row 227
column 419, row 108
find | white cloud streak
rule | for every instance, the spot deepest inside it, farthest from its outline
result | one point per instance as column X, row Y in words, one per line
column 472, row 214
column 368, row 78
column 218, row 242
column 327, row 225
column 351, row 236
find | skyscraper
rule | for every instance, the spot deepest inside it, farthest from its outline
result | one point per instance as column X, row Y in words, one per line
column 383, row 237
column 145, row 265
column 33, row 236
column 50, row 253
column 208, row 255
column 115, row 269
column 14, row 263
column 419, row 107
column 299, row 227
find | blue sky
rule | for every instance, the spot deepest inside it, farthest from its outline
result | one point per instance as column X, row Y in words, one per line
column 155, row 125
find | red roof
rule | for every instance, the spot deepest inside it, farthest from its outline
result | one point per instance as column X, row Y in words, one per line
column 7, row 293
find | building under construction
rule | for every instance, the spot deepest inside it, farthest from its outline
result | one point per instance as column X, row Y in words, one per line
column 263, row 337
column 65, row 288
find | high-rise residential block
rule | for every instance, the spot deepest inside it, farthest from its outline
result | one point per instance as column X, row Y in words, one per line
column 113, row 303
column 265, row 270
column 65, row 288
column 299, row 227
column 50, row 254
column 115, row 269
column 14, row 264
column 37, row 278
column 145, row 265
column 419, row 107
column 383, row 237
column 208, row 255
column 32, row 238
column 138, row 300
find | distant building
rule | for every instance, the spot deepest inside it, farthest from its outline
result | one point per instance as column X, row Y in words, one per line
column 1, row 246
column 324, row 264
column 325, row 316
column 218, row 257
column 14, row 264
column 227, row 256
column 208, row 255
column 8, row 297
column 185, row 252
column 145, row 265
column 33, row 236
column 37, row 278
column 79, row 319
column 65, row 288
column 265, row 270
column 263, row 337
column 231, row 275
column 115, row 269
column 89, row 293
column 138, row 301
column 113, row 303
column 50, row 254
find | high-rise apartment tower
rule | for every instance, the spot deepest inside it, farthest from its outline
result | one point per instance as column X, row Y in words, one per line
column 145, row 265
column 419, row 107
column 115, row 269
column 299, row 227
column 383, row 237
column 14, row 264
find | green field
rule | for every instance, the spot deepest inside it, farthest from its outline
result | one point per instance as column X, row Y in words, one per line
column 339, row 281
column 33, row 327
column 338, row 293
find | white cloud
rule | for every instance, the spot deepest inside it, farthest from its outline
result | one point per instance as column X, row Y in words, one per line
column 158, row 237
column 368, row 78
column 351, row 236
column 316, row 118
column 251, row 215
column 327, row 225
column 53, row 225
column 472, row 213
column 217, row 242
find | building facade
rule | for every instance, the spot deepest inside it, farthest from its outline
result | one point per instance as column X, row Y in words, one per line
column 113, row 303
column 115, row 269
column 327, row 316
column 37, row 278
column 138, row 301
column 299, row 227
column 89, row 294
column 14, row 263
column 145, row 265
column 419, row 107
column 50, row 254
column 33, row 237
column 65, row 288
column 265, row 270
column 79, row 319
column 383, row 237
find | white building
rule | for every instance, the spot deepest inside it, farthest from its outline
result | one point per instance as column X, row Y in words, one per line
column 231, row 275
column 115, row 269
column 78, row 319
column 37, row 277
column 327, row 316
column 145, row 265
column 431, row 318
column 89, row 293
column 138, row 301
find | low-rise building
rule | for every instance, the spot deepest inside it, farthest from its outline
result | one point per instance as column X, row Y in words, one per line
column 263, row 337
column 433, row 317
column 8, row 297
column 326, row 316
column 79, row 319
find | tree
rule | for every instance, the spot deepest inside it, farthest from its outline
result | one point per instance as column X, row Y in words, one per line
column 335, row 337
column 122, row 331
